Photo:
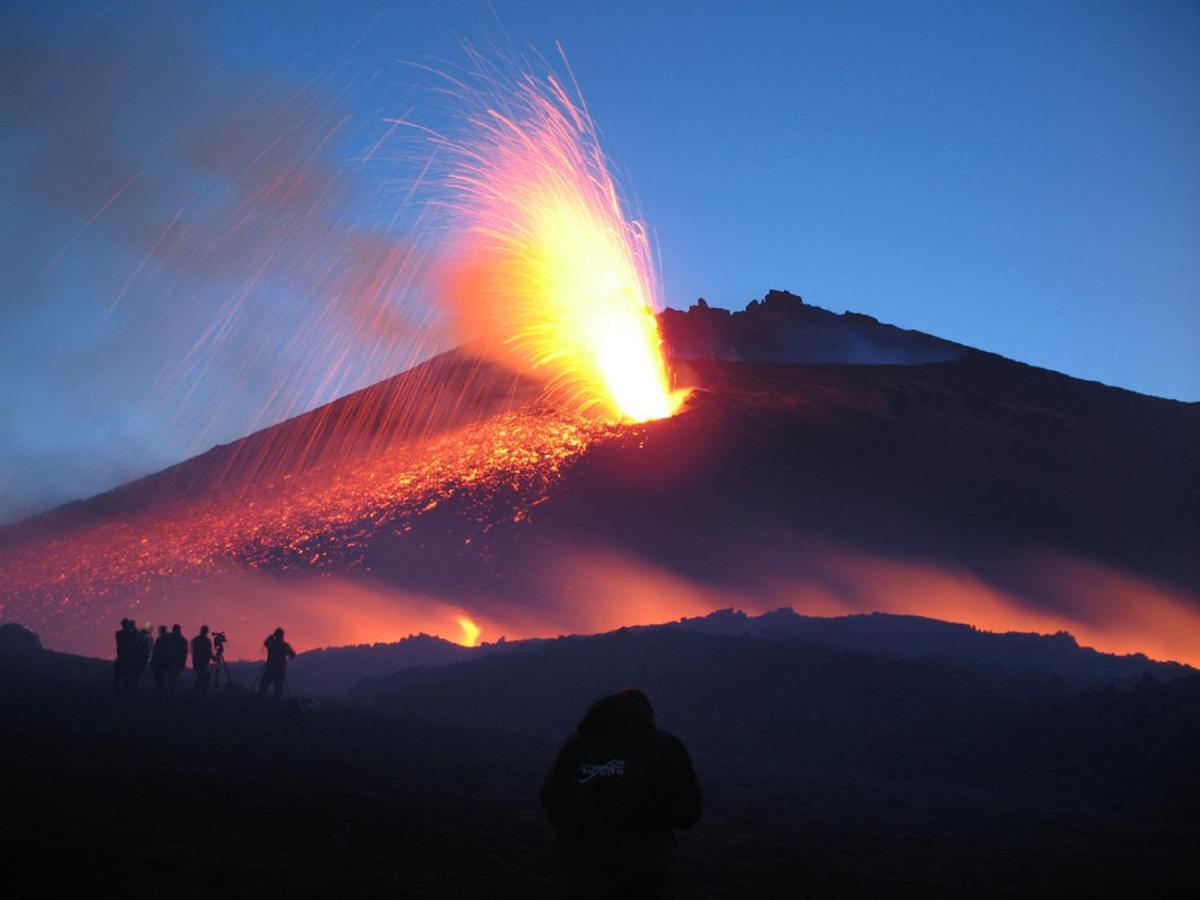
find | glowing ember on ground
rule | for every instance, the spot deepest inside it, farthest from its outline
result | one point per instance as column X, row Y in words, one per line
column 548, row 272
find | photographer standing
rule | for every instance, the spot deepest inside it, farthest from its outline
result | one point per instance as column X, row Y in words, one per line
column 202, row 654
column 279, row 652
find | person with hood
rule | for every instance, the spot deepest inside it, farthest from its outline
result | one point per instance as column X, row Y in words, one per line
column 279, row 652
column 618, row 789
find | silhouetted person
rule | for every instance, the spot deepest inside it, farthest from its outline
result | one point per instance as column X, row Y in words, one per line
column 176, row 658
column 615, row 792
column 202, row 655
column 126, row 661
column 279, row 652
column 160, row 658
column 141, row 656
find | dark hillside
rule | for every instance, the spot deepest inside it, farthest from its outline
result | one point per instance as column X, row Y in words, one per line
column 843, row 714
column 239, row 801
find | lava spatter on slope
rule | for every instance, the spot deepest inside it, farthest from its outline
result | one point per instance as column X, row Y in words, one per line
column 323, row 518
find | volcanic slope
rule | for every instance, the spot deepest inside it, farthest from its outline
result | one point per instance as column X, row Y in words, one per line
column 960, row 485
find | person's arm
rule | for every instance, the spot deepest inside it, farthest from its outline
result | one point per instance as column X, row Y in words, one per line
column 287, row 648
column 686, row 801
column 552, row 794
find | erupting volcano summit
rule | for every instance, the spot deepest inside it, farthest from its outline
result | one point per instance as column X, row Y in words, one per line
column 549, row 474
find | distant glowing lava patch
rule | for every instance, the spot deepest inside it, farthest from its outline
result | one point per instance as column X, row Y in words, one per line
column 470, row 632
column 545, row 270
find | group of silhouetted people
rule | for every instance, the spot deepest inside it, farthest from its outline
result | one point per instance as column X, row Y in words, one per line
column 616, row 792
column 167, row 657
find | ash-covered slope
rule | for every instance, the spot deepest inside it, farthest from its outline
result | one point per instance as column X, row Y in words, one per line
column 977, row 490
column 449, row 391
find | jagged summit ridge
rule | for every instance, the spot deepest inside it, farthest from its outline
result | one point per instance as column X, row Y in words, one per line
column 782, row 328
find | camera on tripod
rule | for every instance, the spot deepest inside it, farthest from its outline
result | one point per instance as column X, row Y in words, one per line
column 221, row 674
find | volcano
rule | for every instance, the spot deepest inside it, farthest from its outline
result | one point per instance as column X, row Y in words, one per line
column 828, row 463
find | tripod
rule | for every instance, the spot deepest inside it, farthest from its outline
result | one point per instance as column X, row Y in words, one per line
column 221, row 668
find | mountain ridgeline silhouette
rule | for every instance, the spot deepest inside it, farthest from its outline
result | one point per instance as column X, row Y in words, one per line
column 782, row 328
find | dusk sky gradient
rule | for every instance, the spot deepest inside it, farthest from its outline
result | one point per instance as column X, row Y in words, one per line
column 1020, row 177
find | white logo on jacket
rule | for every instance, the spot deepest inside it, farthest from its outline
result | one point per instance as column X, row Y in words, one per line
column 601, row 770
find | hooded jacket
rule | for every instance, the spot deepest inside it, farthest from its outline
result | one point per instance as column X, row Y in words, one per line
column 617, row 789
column 279, row 652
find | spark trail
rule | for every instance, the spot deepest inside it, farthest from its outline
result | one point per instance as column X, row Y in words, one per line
column 545, row 271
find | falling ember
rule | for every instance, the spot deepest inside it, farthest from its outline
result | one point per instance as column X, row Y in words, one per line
column 471, row 632
column 547, row 272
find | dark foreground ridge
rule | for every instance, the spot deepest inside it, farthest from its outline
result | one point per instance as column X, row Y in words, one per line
column 826, row 771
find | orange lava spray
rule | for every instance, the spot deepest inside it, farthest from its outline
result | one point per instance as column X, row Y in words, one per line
column 547, row 271
column 470, row 632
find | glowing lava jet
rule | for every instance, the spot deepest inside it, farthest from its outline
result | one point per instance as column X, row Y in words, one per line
column 548, row 273
column 470, row 632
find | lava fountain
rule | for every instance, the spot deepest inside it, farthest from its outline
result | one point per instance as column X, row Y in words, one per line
column 470, row 632
column 545, row 271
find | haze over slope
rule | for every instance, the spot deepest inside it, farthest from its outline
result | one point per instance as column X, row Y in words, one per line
column 958, row 485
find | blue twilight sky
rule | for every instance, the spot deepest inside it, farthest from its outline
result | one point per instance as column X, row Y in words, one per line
column 184, row 187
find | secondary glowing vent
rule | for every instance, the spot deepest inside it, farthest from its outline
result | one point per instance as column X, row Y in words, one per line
column 547, row 271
